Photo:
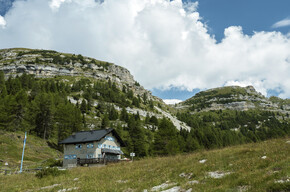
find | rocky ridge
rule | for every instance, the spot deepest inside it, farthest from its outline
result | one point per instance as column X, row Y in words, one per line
column 46, row 64
column 233, row 98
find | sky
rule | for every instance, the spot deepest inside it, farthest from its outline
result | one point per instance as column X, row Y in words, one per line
column 173, row 48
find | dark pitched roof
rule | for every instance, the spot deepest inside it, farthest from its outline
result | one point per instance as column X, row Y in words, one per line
column 87, row 136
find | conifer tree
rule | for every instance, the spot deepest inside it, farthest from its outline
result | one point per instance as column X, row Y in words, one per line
column 124, row 115
column 42, row 115
column 191, row 143
column 19, row 110
column 166, row 138
column 138, row 137
column 3, row 90
column 105, row 122
column 68, row 119
column 83, row 107
column 147, row 119
column 113, row 114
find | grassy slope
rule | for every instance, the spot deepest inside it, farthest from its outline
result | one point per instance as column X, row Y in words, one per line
column 36, row 150
column 248, row 170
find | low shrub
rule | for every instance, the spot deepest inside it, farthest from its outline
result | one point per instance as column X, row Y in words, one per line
column 50, row 172
column 52, row 163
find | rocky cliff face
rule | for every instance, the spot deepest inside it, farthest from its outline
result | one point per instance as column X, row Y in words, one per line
column 233, row 98
column 46, row 63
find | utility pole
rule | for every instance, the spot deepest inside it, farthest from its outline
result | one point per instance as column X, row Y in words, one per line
column 24, row 142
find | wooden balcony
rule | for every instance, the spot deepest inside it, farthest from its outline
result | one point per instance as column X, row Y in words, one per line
column 82, row 162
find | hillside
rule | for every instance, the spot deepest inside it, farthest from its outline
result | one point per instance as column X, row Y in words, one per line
column 262, row 166
column 52, row 94
column 234, row 115
column 71, row 69
column 234, row 98
column 37, row 151
column 48, row 63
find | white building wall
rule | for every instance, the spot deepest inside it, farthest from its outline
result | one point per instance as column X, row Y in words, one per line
column 71, row 153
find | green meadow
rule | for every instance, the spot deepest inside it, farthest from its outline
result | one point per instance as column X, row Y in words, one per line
column 262, row 166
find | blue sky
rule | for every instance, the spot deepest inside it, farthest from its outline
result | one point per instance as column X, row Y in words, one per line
column 252, row 15
column 173, row 48
column 5, row 6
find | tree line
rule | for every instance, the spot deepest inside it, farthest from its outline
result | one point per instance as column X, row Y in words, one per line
column 42, row 107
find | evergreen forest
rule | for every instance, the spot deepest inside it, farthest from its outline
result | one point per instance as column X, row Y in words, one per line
column 41, row 106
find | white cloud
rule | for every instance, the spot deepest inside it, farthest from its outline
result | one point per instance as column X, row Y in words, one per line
column 163, row 43
column 171, row 101
column 2, row 22
column 257, row 84
column 55, row 4
column 283, row 23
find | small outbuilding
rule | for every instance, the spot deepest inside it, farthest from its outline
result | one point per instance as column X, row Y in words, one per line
column 92, row 147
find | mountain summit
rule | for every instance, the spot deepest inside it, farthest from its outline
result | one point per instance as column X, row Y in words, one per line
column 234, row 98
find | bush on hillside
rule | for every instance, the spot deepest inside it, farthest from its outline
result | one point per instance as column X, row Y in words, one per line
column 49, row 172
column 52, row 163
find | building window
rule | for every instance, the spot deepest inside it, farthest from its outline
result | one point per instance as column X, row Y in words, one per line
column 99, row 145
column 109, row 138
column 90, row 156
column 105, row 145
column 70, row 157
column 90, row 145
column 78, row 146
column 109, row 147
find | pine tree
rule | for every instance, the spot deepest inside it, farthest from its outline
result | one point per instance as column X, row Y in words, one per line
column 166, row 138
column 83, row 107
column 135, row 102
column 151, row 104
column 6, row 112
column 113, row 114
column 145, row 98
column 138, row 138
column 68, row 119
column 191, row 143
column 21, row 100
column 3, row 90
column 124, row 115
column 147, row 119
column 153, row 120
column 42, row 112
column 105, row 122
column 130, row 94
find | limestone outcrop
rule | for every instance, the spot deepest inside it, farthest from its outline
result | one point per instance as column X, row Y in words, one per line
column 234, row 98
column 45, row 64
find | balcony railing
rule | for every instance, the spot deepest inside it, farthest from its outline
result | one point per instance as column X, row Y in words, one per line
column 96, row 161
